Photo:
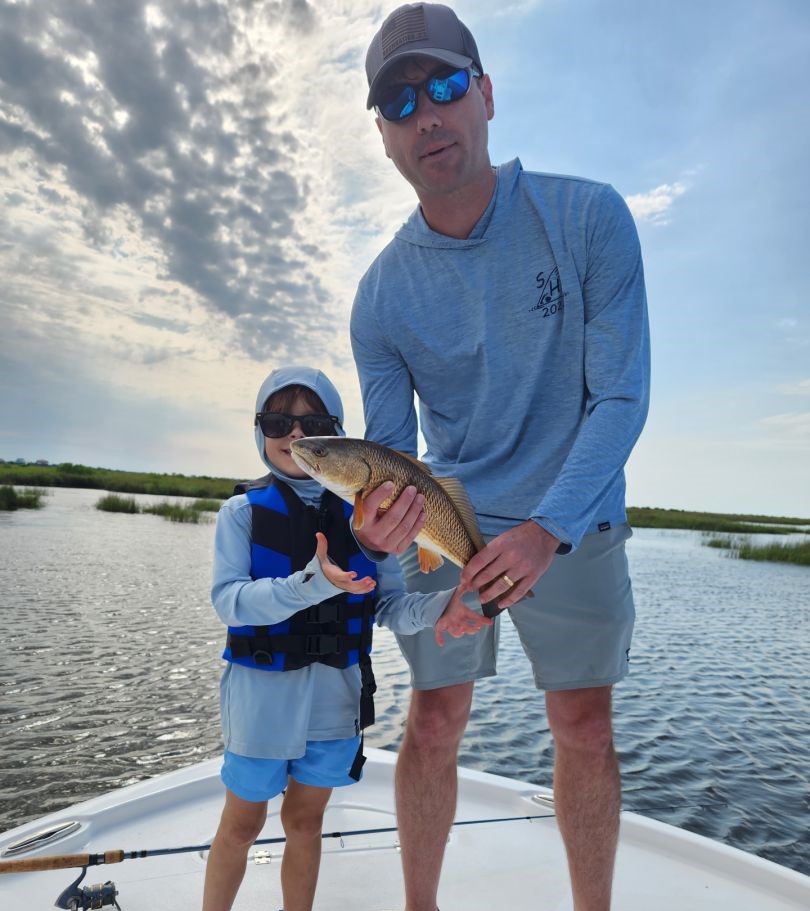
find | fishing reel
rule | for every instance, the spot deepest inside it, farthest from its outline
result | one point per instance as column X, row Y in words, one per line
column 83, row 898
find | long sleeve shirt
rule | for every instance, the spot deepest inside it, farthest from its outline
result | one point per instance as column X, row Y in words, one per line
column 272, row 714
column 527, row 347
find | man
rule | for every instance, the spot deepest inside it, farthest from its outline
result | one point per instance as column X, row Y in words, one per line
column 513, row 305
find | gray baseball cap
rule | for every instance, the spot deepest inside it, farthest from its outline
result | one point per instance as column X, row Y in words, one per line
column 423, row 29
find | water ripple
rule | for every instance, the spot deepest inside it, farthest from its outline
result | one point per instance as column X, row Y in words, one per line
column 111, row 668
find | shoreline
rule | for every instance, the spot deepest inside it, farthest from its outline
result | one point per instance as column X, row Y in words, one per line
column 218, row 488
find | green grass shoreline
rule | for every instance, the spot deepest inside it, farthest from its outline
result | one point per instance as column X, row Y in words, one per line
column 204, row 486
column 69, row 475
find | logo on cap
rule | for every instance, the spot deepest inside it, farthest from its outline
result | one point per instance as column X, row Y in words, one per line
column 408, row 26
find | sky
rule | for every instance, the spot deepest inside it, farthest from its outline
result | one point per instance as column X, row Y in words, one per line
column 190, row 191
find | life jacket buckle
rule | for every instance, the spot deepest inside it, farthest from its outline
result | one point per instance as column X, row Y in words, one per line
column 262, row 657
column 325, row 612
column 322, row 645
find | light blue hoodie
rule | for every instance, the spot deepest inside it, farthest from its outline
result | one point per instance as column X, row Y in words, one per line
column 270, row 714
column 527, row 346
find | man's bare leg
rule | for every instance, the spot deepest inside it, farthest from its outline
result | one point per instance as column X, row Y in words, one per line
column 426, row 787
column 587, row 790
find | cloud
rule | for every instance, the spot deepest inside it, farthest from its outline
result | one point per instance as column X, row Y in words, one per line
column 508, row 9
column 654, row 205
column 800, row 387
column 790, row 428
column 174, row 127
column 189, row 193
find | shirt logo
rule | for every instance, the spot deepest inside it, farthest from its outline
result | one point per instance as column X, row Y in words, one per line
column 551, row 295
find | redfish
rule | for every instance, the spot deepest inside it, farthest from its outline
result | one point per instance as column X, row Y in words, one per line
column 352, row 468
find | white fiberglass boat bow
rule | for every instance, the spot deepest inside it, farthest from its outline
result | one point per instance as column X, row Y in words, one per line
column 513, row 863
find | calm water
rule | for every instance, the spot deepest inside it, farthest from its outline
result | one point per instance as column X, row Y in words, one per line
column 111, row 664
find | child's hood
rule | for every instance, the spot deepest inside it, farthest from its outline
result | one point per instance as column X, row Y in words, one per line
column 311, row 378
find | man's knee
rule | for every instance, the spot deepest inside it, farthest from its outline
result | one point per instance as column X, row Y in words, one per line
column 581, row 719
column 437, row 718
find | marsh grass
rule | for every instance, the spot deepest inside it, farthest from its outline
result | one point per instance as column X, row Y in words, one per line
column 174, row 512
column 113, row 503
column 798, row 552
column 721, row 543
column 776, row 552
column 205, row 505
column 650, row 517
column 29, row 498
column 67, row 474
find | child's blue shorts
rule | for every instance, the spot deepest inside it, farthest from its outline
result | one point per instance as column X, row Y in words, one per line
column 325, row 764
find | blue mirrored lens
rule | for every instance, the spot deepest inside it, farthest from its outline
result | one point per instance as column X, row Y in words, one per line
column 399, row 101
column 450, row 88
column 401, row 105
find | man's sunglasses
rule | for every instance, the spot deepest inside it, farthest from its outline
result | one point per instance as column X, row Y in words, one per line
column 398, row 102
column 276, row 424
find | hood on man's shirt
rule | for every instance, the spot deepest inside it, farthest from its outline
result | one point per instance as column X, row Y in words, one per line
column 295, row 375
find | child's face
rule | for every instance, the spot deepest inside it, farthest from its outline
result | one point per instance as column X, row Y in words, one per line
column 278, row 450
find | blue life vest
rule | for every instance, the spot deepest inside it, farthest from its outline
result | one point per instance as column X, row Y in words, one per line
column 337, row 631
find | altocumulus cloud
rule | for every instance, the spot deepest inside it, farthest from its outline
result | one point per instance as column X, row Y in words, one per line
column 157, row 136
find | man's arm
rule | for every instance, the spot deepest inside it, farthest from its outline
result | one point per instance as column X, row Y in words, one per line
column 616, row 369
column 390, row 416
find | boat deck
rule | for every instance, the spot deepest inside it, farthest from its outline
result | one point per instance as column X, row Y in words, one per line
column 516, row 864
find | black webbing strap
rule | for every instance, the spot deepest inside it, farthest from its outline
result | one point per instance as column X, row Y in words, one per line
column 318, row 645
column 359, row 760
column 368, row 687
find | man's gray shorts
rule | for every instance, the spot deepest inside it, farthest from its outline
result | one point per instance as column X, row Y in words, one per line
column 576, row 631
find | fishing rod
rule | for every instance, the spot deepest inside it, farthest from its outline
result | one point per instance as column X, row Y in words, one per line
column 63, row 861
column 100, row 895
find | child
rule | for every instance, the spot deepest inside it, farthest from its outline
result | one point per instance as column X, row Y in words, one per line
column 298, row 686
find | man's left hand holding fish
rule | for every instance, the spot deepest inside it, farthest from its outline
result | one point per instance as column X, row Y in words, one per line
column 510, row 564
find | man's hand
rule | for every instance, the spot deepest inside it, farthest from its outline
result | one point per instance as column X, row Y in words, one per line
column 348, row 581
column 520, row 556
column 459, row 620
column 391, row 530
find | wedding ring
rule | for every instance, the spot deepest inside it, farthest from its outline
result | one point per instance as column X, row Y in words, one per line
column 508, row 581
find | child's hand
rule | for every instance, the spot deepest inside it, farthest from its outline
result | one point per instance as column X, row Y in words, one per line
column 459, row 620
column 348, row 581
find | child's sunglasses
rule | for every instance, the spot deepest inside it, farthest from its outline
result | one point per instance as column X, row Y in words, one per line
column 276, row 424
column 398, row 102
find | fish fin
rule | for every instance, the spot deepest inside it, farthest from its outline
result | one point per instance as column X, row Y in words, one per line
column 358, row 516
column 455, row 490
column 414, row 461
column 429, row 559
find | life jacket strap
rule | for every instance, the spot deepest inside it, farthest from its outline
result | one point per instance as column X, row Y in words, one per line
column 368, row 687
column 359, row 760
column 319, row 645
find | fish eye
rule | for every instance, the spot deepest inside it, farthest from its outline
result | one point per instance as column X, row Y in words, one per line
column 319, row 451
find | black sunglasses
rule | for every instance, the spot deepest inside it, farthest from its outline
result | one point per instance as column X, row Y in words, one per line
column 275, row 424
column 397, row 102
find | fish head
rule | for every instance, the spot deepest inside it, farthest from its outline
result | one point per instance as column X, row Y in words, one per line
column 338, row 463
